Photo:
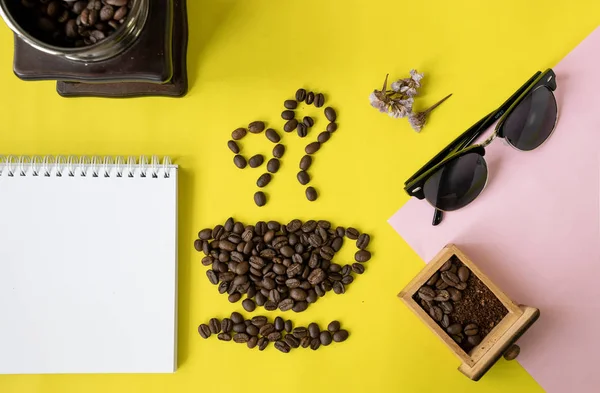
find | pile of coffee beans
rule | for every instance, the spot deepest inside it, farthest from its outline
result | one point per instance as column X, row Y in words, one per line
column 258, row 332
column 279, row 266
column 460, row 303
column 74, row 23
column 302, row 126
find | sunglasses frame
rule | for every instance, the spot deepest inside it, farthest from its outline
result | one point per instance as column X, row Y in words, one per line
column 464, row 143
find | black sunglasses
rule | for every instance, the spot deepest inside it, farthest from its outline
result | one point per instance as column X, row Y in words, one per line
column 458, row 174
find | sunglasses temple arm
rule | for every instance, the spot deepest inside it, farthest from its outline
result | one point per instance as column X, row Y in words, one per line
column 438, row 216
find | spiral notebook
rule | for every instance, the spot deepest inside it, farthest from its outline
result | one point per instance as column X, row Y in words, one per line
column 88, row 265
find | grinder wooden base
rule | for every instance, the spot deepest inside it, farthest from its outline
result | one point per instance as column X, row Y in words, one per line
column 481, row 358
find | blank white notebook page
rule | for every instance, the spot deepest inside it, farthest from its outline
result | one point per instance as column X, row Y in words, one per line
column 88, row 272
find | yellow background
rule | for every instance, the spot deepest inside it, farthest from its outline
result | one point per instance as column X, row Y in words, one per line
column 245, row 58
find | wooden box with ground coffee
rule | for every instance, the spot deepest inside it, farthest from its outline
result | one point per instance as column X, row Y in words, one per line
column 467, row 311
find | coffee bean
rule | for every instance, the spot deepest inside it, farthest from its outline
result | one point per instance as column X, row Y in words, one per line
column 455, row 294
column 358, row 268
column 236, row 317
column 303, row 177
column 315, row 343
column 461, row 286
column 226, row 325
column 450, row 278
column 454, row 329
column 305, row 162
column 288, row 326
column 239, row 161
column 278, row 324
column 446, row 266
column 471, row 329
column 287, row 115
column 319, row 100
column 215, row 325
column 316, row 276
column 256, row 160
column 512, row 352
column 300, row 306
column 305, row 342
column 333, row 326
column 441, row 284
column 274, row 336
column 325, row 338
column 446, row 307
column 260, row 199
column 313, row 330
column 323, row 137
column 290, row 104
column 298, row 294
column 251, row 329
column 273, row 165
column 331, row 127
column 282, row 346
column 442, row 296
column 278, row 151
column 312, row 148
column 290, row 125
column 224, row 337
column 252, row 342
column 300, row 332
column 232, row 146
column 302, row 130
column 340, row 336
column 352, row 233
column 204, row 331
column 454, row 269
column 445, row 321
column 249, row 305
column 234, row 297
column 308, row 121
column 463, row 273
column 458, row 338
column 310, row 98
column 241, row 338
column 264, row 180
column 436, row 313
column 212, row 277
column 272, row 135
column 256, row 127
column 338, row 288
column 347, row 280
column 300, row 95
column 474, row 340
column 238, row 134
column 327, row 253
column 433, row 279
column 292, row 341
column 311, row 194
column 362, row 256
column 330, row 114
column 259, row 321
column 263, row 342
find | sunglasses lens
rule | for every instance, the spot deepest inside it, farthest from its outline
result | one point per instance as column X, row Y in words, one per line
column 532, row 121
column 457, row 183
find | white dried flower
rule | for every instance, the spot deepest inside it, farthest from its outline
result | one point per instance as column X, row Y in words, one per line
column 398, row 111
column 377, row 102
column 417, row 120
column 398, row 86
column 411, row 92
column 416, row 77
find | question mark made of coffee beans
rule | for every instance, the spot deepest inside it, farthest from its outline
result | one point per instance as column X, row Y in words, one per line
column 257, row 127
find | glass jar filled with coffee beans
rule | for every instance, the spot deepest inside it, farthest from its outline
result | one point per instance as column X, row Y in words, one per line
column 82, row 30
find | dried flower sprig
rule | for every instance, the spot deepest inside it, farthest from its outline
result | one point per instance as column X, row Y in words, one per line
column 398, row 101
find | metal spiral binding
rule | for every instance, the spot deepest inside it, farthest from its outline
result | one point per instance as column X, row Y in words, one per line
column 72, row 166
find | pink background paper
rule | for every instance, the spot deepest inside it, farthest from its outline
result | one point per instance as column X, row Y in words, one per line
column 535, row 230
